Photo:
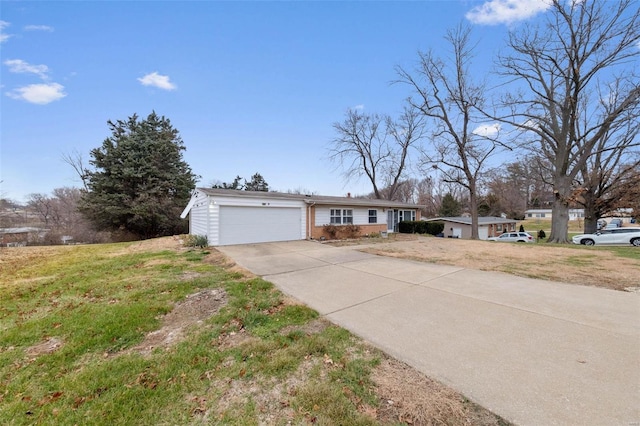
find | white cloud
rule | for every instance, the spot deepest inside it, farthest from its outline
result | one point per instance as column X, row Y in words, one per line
column 38, row 28
column 3, row 36
column 40, row 94
column 22, row 67
column 494, row 12
column 487, row 130
column 156, row 80
column 359, row 107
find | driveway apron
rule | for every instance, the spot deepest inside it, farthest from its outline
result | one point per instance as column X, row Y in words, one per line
column 534, row 352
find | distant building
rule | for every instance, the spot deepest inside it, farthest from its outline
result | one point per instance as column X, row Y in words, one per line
column 489, row 226
column 574, row 214
column 19, row 237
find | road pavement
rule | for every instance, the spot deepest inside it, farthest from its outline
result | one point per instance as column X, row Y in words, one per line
column 534, row 352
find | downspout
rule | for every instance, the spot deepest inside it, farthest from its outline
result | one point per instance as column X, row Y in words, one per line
column 309, row 205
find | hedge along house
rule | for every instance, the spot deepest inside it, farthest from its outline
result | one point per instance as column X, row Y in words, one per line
column 489, row 226
column 228, row 216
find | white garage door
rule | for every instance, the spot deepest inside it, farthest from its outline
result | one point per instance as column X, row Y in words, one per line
column 483, row 232
column 244, row 225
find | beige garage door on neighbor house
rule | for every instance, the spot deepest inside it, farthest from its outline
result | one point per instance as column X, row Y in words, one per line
column 245, row 225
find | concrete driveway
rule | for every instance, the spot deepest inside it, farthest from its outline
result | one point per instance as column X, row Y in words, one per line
column 534, row 352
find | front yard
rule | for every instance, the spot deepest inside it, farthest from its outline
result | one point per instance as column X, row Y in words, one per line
column 616, row 268
column 154, row 333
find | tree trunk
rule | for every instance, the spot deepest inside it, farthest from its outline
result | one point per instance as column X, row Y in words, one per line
column 560, row 211
column 591, row 213
column 473, row 206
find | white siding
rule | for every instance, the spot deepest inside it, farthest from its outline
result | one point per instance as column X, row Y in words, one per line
column 199, row 216
column 214, row 223
column 360, row 215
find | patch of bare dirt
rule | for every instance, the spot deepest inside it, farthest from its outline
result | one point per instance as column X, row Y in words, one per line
column 313, row 327
column 410, row 397
column 216, row 258
column 49, row 346
column 597, row 268
column 270, row 396
column 193, row 310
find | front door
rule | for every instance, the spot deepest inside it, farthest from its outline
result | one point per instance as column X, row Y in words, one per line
column 390, row 220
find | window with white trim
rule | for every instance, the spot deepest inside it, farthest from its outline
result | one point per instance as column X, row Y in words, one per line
column 336, row 216
column 407, row 215
column 341, row 216
column 373, row 216
column 347, row 216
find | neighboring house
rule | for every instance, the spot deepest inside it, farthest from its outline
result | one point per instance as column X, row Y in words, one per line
column 228, row 216
column 19, row 237
column 574, row 214
column 460, row 227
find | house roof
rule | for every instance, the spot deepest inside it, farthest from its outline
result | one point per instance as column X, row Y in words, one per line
column 550, row 210
column 482, row 220
column 309, row 198
column 23, row 230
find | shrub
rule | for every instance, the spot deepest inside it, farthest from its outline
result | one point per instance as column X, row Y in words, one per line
column 434, row 228
column 420, row 227
column 407, row 227
column 541, row 234
column 196, row 241
column 521, row 228
column 330, row 231
column 349, row 231
column 342, row 231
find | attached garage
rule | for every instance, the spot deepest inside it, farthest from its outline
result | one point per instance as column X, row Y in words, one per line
column 229, row 216
column 244, row 225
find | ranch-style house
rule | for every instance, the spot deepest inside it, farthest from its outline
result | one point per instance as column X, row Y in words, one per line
column 228, row 216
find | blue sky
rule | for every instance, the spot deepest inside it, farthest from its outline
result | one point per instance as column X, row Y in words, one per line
column 251, row 86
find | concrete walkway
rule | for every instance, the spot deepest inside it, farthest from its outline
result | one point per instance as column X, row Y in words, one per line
column 534, row 352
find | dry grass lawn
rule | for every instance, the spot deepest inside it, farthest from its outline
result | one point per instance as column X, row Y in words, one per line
column 591, row 266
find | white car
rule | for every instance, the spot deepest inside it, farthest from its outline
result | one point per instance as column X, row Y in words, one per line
column 514, row 237
column 626, row 235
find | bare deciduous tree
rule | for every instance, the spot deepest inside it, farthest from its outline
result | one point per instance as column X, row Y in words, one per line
column 579, row 81
column 378, row 147
column 446, row 94
column 630, row 196
column 75, row 160
column 518, row 186
column 59, row 214
column 42, row 205
column 608, row 175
